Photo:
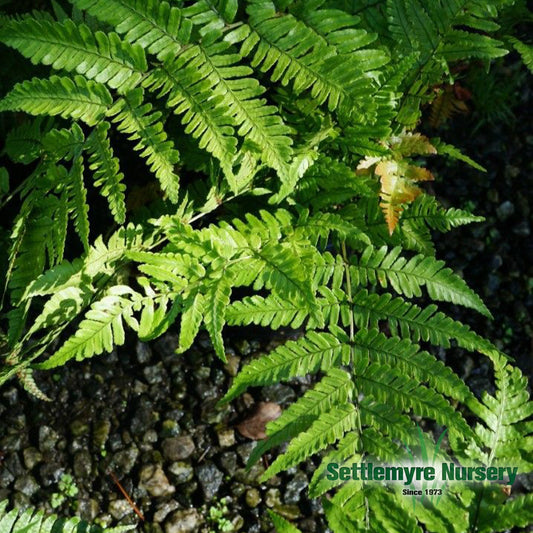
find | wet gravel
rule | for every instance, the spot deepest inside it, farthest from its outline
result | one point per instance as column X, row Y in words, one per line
column 149, row 418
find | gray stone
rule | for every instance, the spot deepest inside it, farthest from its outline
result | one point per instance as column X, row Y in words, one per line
column 226, row 437
column 181, row 471
column 155, row 481
column 164, row 509
column 101, row 433
column 279, row 393
column 150, row 436
column 228, row 461
column 82, row 464
column 232, row 366
column 505, row 210
column 170, row 428
column 210, row 478
column 13, row 464
column 295, row 487
column 13, row 442
column 184, row 521
column 50, row 473
column 143, row 352
column 237, row 522
column 27, row 485
column 155, row 374
column 166, row 345
column 244, row 347
column 251, row 476
column 290, row 512
column 11, row 396
column 32, row 456
column 522, row 229
column 88, row 509
column 253, row 498
column 272, row 498
column 47, row 439
column 244, row 450
column 21, row 501
column 125, row 459
column 118, row 509
column 178, row 448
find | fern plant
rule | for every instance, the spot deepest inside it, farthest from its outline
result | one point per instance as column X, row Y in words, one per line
column 280, row 147
column 31, row 521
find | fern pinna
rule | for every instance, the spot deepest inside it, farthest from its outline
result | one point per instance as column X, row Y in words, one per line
column 280, row 152
column 31, row 521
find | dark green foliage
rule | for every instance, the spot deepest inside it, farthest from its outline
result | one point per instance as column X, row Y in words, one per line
column 281, row 112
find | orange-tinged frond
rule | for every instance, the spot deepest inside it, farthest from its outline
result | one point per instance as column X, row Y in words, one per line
column 396, row 190
column 445, row 105
column 408, row 144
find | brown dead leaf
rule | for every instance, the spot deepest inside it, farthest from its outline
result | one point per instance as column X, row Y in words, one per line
column 254, row 427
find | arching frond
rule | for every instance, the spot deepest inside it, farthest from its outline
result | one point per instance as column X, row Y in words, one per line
column 75, row 48
column 75, row 98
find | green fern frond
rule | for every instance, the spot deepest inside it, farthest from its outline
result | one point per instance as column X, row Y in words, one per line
column 336, row 26
column 78, row 200
column 336, row 388
column 283, row 274
column 27, row 381
column 64, row 143
column 413, row 322
column 106, row 171
column 342, row 522
column 282, row 525
column 164, row 31
column 455, row 153
column 390, row 513
column 191, row 320
column 387, row 420
column 63, row 306
column 438, row 34
column 75, row 98
column 133, row 118
column 27, row 256
column 182, row 81
column 23, row 144
column 506, row 434
column 75, row 48
column 406, row 277
column 272, row 311
column 516, row 513
column 406, row 358
column 426, row 210
column 321, row 225
column 216, row 300
column 375, row 444
column 156, row 26
column 315, row 351
column 461, row 44
column 327, row 429
column 100, row 331
column 101, row 260
column 388, row 386
column 347, row 451
column 293, row 51
column 525, row 50
column 32, row 521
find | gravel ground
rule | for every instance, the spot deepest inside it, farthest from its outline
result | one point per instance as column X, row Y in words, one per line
column 149, row 418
